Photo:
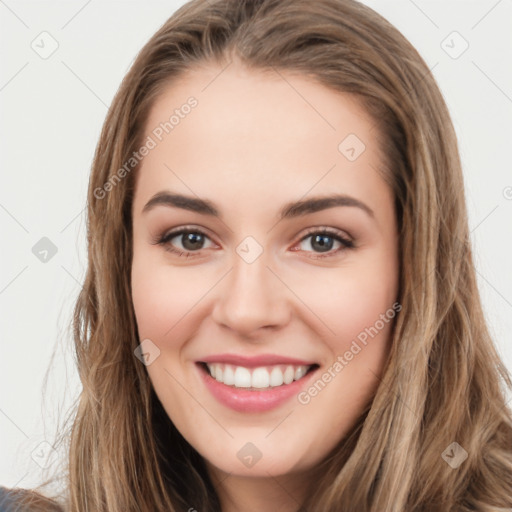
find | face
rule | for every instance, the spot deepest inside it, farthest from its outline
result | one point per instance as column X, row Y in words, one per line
column 253, row 263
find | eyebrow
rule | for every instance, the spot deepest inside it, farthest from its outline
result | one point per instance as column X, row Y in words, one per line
column 288, row 211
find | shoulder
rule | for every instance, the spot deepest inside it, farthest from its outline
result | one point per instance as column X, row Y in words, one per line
column 25, row 500
column 6, row 500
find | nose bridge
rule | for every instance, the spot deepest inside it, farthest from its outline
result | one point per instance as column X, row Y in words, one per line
column 251, row 296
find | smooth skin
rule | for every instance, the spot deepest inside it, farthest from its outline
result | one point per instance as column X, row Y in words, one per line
column 255, row 142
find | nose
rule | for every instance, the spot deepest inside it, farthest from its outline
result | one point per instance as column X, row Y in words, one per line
column 251, row 298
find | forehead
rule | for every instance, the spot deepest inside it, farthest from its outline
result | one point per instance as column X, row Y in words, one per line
column 254, row 135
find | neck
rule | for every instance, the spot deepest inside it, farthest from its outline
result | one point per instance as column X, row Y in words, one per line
column 284, row 493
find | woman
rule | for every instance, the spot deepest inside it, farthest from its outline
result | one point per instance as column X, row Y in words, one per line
column 307, row 154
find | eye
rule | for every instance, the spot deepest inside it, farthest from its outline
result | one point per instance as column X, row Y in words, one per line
column 191, row 239
column 323, row 240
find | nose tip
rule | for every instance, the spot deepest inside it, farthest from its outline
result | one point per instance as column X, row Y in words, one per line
column 251, row 298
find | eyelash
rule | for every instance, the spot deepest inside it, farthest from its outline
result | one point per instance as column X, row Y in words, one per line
column 165, row 238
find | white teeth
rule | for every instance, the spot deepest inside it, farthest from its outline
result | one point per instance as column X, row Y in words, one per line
column 242, row 377
column 289, row 374
column 300, row 372
column 229, row 375
column 276, row 376
column 261, row 377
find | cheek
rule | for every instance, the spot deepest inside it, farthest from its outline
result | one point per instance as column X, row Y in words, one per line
column 358, row 306
column 348, row 301
column 166, row 298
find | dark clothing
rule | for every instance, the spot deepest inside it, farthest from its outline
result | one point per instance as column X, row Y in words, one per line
column 6, row 502
column 11, row 501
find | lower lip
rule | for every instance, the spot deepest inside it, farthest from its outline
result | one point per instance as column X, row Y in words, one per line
column 243, row 400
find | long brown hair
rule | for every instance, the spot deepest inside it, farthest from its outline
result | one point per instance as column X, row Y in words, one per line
column 443, row 381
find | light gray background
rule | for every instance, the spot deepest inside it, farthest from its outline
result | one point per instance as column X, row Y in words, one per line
column 51, row 114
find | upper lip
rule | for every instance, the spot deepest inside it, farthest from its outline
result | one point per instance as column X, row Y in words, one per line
column 255, row 361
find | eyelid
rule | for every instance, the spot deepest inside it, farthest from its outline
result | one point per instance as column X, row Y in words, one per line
column 327, row 230
column 342, row 237
column 171, row 233
column 165, row 238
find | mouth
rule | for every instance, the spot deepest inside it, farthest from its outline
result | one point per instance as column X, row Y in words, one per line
column 256, row 379
column 255, row 390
